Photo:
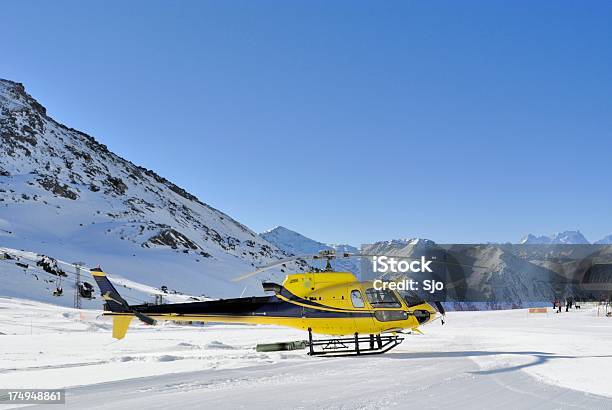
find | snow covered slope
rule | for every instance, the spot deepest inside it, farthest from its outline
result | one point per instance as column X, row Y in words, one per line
column 501, row 360
column 64, row 194
column 297, row 244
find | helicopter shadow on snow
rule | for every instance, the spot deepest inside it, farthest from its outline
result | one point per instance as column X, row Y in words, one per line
column 539, row 358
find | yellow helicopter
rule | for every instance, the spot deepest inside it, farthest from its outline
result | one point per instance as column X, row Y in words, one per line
column 323, row 302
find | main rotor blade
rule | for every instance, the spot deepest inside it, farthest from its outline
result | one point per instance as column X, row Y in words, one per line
column 440, row 307
column 286, row 260
column 269, row 266
column 342, row 255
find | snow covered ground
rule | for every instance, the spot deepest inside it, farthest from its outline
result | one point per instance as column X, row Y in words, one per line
column 499, row 359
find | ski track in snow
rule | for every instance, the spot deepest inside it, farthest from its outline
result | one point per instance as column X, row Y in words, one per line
column 500, row 359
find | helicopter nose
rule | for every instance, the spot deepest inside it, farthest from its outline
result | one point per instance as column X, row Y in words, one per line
column 422, row 315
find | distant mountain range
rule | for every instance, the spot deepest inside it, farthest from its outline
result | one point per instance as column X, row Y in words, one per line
column 491, row 276
column 297, row 244
column 565, row 237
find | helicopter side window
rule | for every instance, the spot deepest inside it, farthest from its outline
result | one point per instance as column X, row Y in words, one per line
column 357, row 299
column 383, row 298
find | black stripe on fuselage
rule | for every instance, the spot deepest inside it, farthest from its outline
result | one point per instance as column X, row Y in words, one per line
column 251, row 306
column 310, row 303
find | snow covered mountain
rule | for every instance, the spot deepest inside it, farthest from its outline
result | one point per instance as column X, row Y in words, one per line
column 402, row 247
column 566, row 237
column 297, row 244
column 64, row 194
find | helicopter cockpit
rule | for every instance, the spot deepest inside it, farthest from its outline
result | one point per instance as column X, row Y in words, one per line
column 411, row 298
column 382, row 298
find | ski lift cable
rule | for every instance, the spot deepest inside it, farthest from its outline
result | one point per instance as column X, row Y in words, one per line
column 39, row 271
column 84, row 272
column 142, row 288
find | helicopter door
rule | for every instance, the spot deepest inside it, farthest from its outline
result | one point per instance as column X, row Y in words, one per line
column 361, row 324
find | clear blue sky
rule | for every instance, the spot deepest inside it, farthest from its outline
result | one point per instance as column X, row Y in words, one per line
column 347, row 121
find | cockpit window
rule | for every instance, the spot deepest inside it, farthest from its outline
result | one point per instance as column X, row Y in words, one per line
column 412, row 299
column 357, row 299
column 383, row 298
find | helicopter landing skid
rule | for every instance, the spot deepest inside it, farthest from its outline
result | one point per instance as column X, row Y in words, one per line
column 352, row 346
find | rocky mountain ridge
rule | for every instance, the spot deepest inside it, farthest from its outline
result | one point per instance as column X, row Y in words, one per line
column 64, row 193
column 565, row 237
column 294, row 243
